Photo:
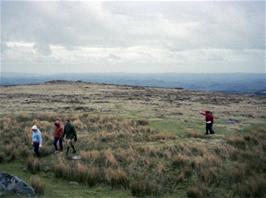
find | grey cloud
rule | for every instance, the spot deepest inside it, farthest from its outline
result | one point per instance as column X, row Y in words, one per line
column 114, row 57
column 172, row 27
column 42, row 48
column 220, row 25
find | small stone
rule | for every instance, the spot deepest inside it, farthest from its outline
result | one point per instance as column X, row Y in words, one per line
column 74, row 183
column 76, row 157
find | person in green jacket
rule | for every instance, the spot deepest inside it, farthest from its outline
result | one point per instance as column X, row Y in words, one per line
column 71, row 136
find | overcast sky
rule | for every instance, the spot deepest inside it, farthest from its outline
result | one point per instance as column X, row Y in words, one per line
column 136, row 37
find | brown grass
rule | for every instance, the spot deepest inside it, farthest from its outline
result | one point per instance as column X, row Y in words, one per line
column 110, row 159
column 33, row 164
column 93, row 155
column 143, row 188
column 237, row 141
column 116, row 177
column 180, row 161
column 162, row 137
column 142, row 122
column 61, row 169
column 194, row 192
column 37, row 184
column 193, row 134
column 251, row 187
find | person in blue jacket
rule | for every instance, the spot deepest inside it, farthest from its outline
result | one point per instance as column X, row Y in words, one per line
column 36, row 140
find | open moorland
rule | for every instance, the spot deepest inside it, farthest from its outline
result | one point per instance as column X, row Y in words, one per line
column 135, row 141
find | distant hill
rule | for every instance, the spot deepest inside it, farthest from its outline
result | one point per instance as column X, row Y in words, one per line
column 232, row 83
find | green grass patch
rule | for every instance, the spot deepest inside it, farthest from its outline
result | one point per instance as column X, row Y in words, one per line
column 55, row 187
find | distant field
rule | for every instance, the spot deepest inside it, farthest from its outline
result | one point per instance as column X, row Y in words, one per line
column 136, row 141
column 231, row 83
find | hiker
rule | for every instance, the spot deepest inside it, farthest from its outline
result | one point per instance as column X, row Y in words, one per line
column 209, row 122
column 36, row 140
column 71, row 136
column 58, row 135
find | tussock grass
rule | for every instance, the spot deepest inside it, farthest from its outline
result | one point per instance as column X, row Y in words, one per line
column 93, row 156
column 194, row 192
column 143, row 188
column 142, row 122
column 117, row 177
column 180, row 161
column 33, row 164
column 193, row 134
column 37, row 184
column 110, row 159
column 128, row 153
column 251, row 187
column 62, row 170
column 237, row 141
column 162, row 137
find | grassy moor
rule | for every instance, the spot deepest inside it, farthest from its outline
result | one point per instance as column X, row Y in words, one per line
column 135, row 141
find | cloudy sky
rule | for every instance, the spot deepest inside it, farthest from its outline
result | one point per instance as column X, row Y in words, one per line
column 136, row 37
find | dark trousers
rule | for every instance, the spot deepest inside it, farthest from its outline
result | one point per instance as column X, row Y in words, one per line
column 56, row 139
column 36, row 147
column 209, row 128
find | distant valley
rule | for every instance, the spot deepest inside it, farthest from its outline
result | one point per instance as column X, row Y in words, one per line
column 231, row 83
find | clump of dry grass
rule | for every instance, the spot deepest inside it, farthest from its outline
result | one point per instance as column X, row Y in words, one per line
column 237, row 173
column 37, row 184
column 193, row 134
column 143, row 188
column 180, row 161
column 93, row 155
column 162, row 137
column 80, row 172
column 79, row 124
column 94, row 175
column 62, row 170
column 203, row 162
column 116, row 177
column 142, row 122
column 251, row 139
column 46, row 150
column 6, row 123
column 251, row 187
column 110, row 159
column 160, row 169
column 24, row 152
column 237, row 141
column 194, row 192
column 23, row 117
column 8, row 149
column 33, row 164
column 151, row 151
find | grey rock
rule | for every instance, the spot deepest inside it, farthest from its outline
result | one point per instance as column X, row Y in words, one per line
column 74, row 183
column 13, row 184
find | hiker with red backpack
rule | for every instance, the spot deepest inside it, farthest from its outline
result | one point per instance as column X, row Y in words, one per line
column 209, row 121
column 58, row 135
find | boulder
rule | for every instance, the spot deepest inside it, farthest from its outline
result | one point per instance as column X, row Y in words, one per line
column 13, row 184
